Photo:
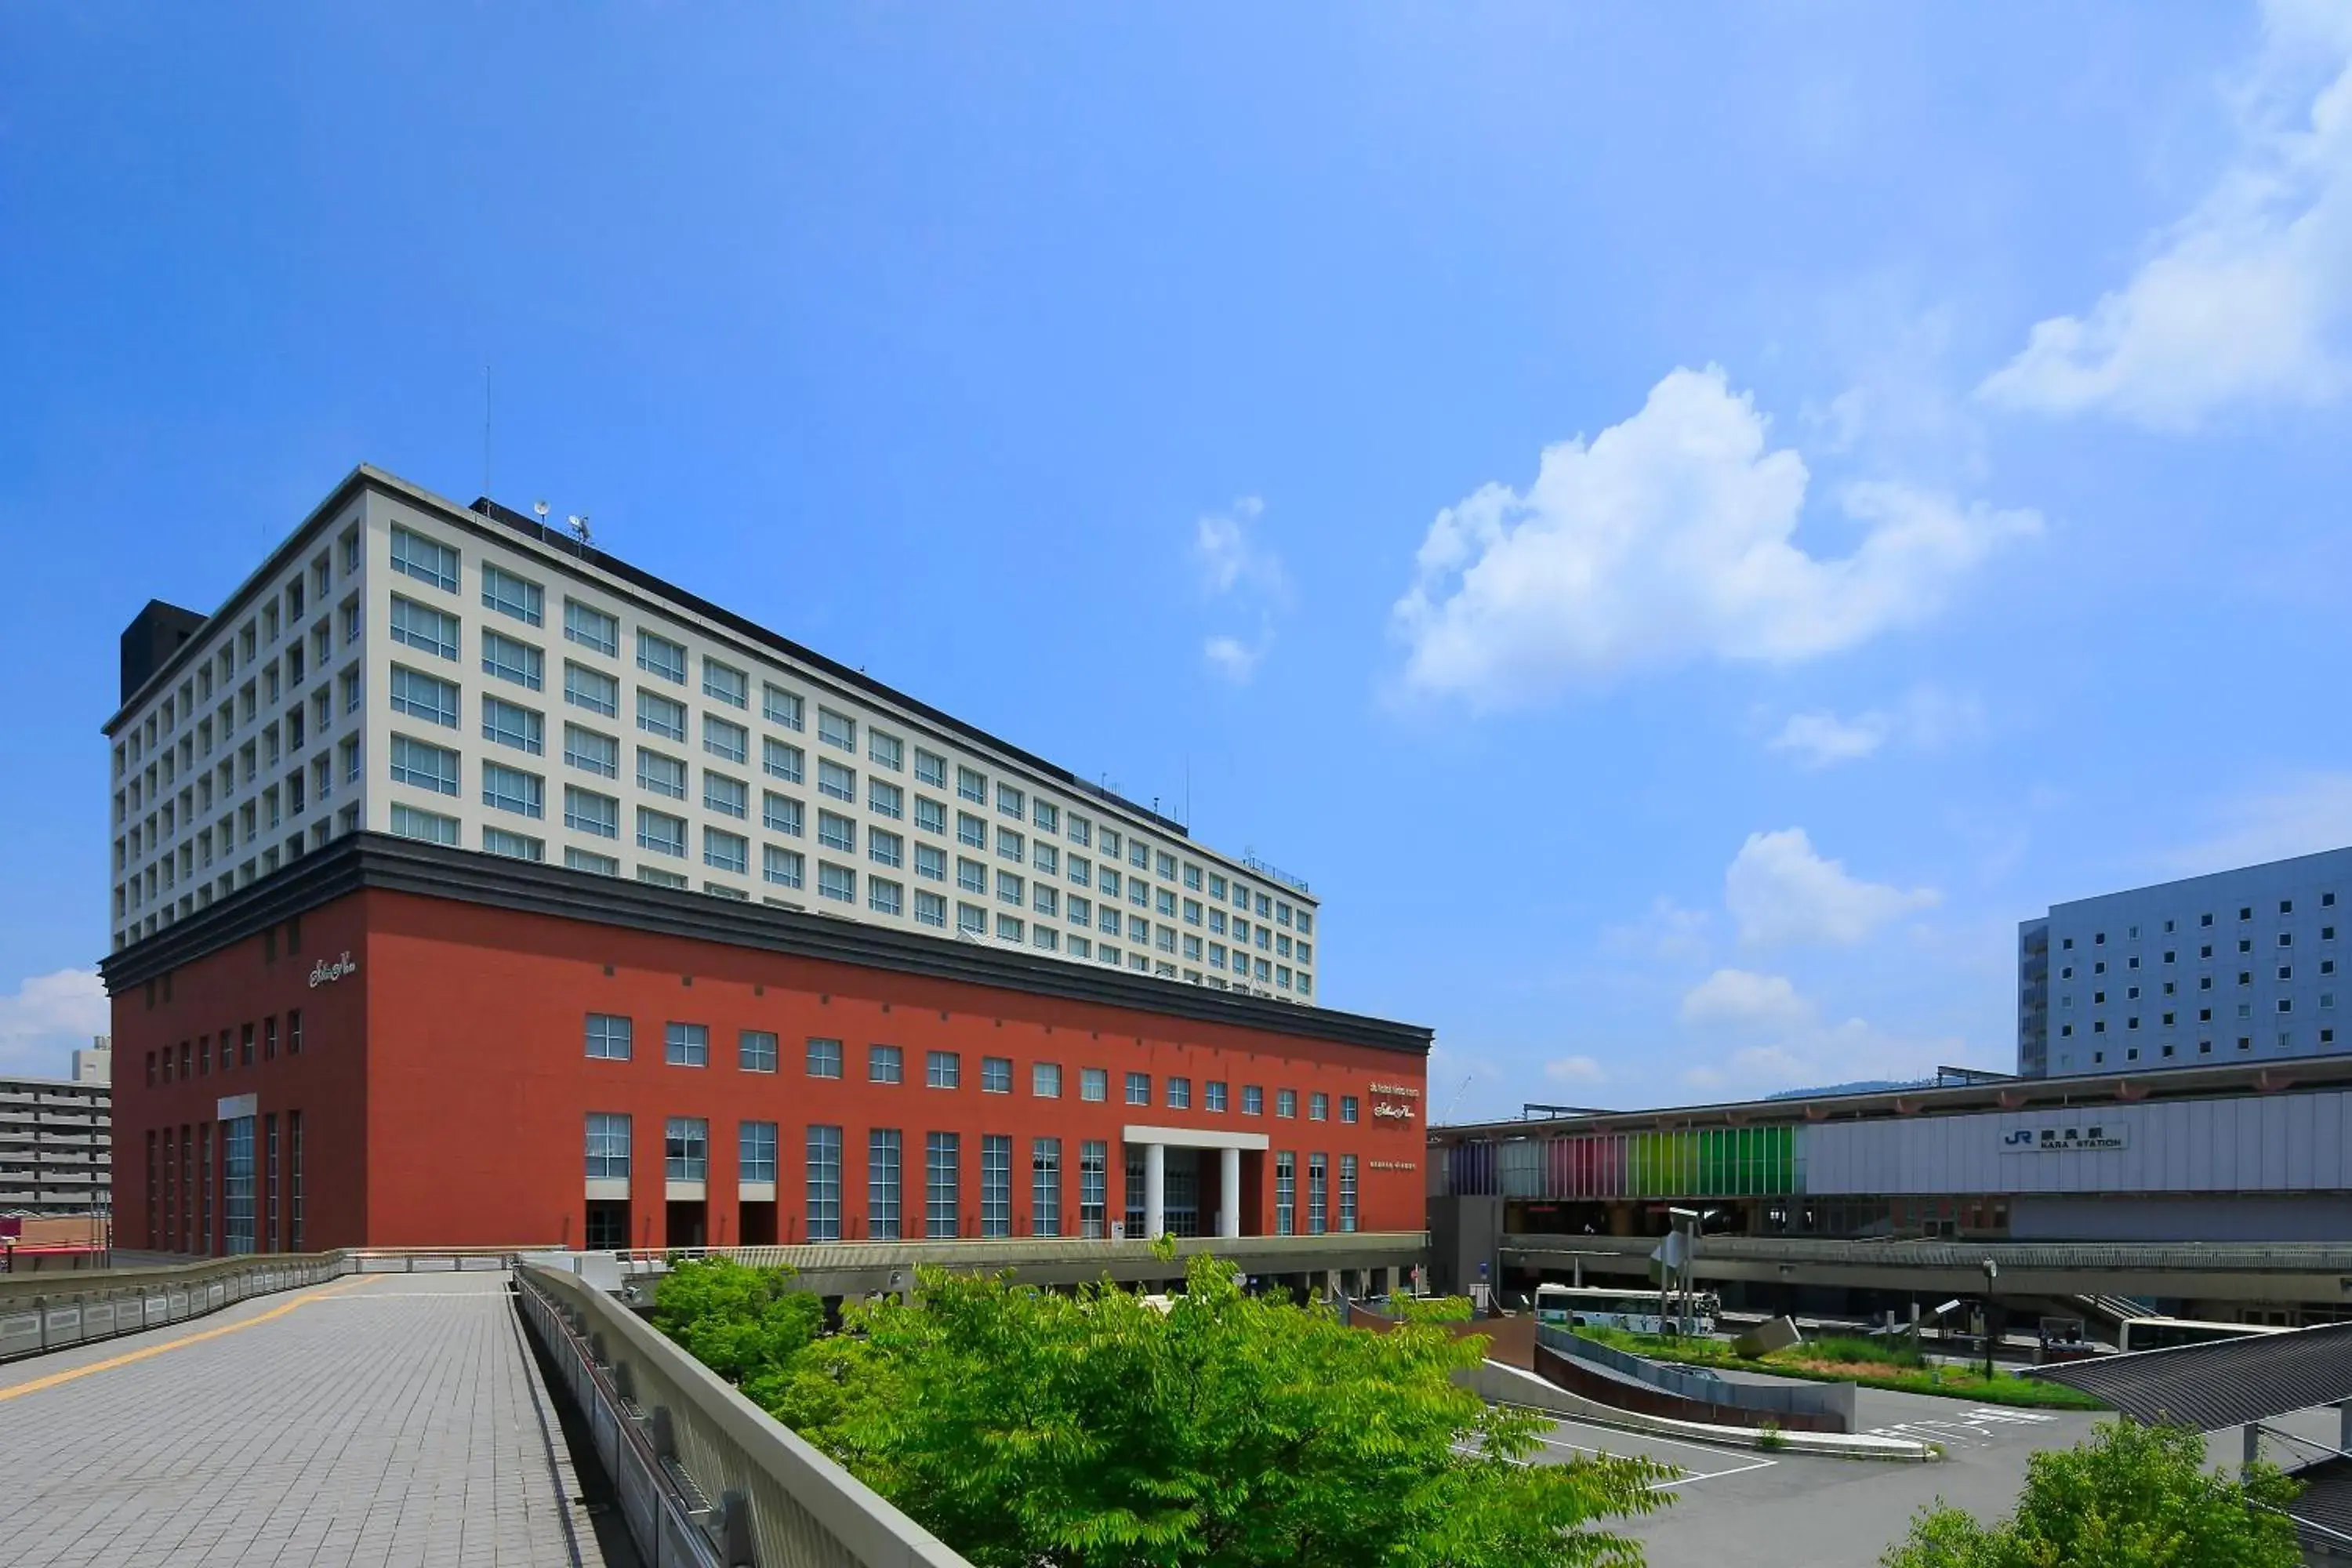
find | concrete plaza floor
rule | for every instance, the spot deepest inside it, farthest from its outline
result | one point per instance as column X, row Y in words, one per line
column 383, row 1419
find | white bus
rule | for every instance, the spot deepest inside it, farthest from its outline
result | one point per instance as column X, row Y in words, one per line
column 2164, row 1334
column 1635, row 1312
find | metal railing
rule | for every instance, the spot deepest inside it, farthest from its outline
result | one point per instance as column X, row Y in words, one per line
column 54, row 1311
column 706, row 1478
column 1006, row 1252
column 2316, row 1257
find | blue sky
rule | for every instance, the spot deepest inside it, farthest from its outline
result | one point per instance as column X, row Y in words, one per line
column 1683, row 527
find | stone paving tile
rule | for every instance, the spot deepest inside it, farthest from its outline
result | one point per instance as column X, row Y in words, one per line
column 393, row 1419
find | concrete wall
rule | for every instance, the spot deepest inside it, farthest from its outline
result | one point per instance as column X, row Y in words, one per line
column 1464, row 1232
column 2319, row 1217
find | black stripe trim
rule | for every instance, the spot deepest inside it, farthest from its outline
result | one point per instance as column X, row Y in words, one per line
column 362, row 860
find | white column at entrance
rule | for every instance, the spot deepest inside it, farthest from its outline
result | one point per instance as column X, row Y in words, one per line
column 1155, row 1190
column 1229, row 1192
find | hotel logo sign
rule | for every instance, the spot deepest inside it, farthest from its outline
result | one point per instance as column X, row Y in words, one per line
column 328, row 970
column 2096, row 1135
column 1393, row 1102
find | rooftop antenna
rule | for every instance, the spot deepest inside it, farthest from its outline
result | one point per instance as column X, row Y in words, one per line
column 486, row 429
column 579, row 521
column 541, row 508
column 1448, row 1117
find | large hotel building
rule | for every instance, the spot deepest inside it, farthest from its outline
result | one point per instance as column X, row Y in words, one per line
column 470, row 884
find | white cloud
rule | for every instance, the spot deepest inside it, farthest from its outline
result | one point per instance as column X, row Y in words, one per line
column 1668, row 931
column 1668, row 537
column 1818, row 1057
column 1927, row 719
column 2308, row 812
column 1821, row 740
column 2245, row 299
column 1239, row 570
column 1781, row 892
column 1743, row 996
column 1233, row 658
column 1575, row 1070
column 49, row 1015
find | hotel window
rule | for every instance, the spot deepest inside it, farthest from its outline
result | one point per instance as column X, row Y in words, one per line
column 885, row 799
column 513, row 846
column 836, row 832
column 1009, row 927
column 783, row 867
column 778, row 706
column 423, row 559
column 825, row 1184
column 1011, row 802
column 686, row 1045
column 755, row 1151
column 1093, row 1185
column 1094, row 1084
column 885, row 1147
column 407, row 821
column 1253, row 1100
column 833, row 779
column 508, row 724
column 931, row 861
column 1045, row 1187
column 780, row 812
column 658, row 715
column 930, row 910
column 837, row 730
column 723, row 851
column 1318, row 1172
column 422, row 696
column 942, row 1176
column 971, row 919
column 608, row 1146
column 608, row 1037
column 728, row 797
column 885, row 849
column 1318, row 1107
column 931, row 816
column 1348, row 1108
column 1285, row 1102
column 780, row 761
column 930, row 768
column 424, row 766
column 722, row 738
column 887, row 750
column 660, row 832
column 942, row 1069
column 511, row 595
column 1139, row 1089
column 591, row 689
column 656, row 654
column 755, row 1050
column 511, row 789
column 685, row 1149
column 1180, row 1094
column 836, row 882
column 1213, row 1096
column 996, row 1075
column 824, row 1058
column 995, row 1184
column 884, row 1064
column 725, row 682
column 1046, row 1080
column 1081, row 831
column 1347, row 1192
column 1285, row 1193
column 1009, row 888
column 591, row 628
column 506, row 659
column 971, row 784
column 1008, row 844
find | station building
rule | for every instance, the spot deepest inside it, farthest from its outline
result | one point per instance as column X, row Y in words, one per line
column 470, row 888
column 2232, row 1152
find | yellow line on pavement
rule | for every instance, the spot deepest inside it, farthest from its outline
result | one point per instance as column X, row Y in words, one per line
column 38, row 1384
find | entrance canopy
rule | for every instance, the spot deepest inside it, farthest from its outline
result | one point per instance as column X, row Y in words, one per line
column 2228, row 1383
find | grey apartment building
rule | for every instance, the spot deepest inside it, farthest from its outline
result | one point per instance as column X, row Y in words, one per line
column 2236, row 966
column 57, row 1145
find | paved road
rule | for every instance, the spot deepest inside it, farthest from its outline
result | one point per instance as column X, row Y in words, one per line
column 382, row 1420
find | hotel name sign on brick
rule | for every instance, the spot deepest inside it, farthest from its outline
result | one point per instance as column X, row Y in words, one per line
column 1393, row 1102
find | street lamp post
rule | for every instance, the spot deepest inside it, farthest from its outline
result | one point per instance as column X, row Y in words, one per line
column 1991, row 1273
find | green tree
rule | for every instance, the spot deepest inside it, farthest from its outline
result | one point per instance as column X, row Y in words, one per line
column 2132, row 1496
column 748, row 1325
column 1093, row 1430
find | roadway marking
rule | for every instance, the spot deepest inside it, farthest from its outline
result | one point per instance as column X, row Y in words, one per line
column 1974, row 1426
column 1684, row 1477
column 54, row 1379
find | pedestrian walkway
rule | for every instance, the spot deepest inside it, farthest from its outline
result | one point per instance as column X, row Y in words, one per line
column 383, row 1419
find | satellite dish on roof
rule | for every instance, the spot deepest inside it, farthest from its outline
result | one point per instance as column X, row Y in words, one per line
column 579, row 521
column 540, row 507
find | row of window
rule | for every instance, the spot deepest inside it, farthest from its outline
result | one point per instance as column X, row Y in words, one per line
column 612, row 1037
column 686, row 1157
column 238, row 1048
column 2285, row 939
column 2285, row 1047
column 2204, row 921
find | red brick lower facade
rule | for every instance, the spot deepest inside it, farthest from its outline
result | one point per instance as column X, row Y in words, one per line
column 391, row 1066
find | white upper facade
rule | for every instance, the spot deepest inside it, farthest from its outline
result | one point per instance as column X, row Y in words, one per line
column 406, row 666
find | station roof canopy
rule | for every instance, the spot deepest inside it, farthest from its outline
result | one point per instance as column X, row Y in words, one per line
column 2228, row 1383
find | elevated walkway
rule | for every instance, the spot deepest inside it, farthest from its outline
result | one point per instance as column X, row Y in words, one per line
column 377, row 1417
